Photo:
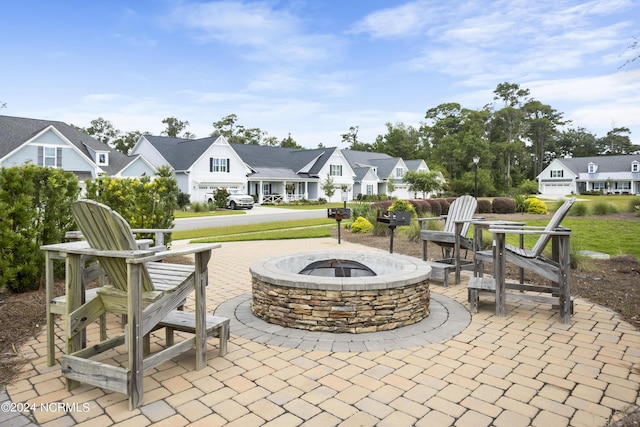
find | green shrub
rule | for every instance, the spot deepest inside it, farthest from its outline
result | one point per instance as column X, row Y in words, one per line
column 634, row 205
column 412, row 231
column 35, row 210
column 520, row 200
column 383, row 205
column 361, row 225
column 528, row 187
column 579, row 209
column 445, row 204
column 183, row 200
column 403, row 206
column 436, row 206
column 503, row 205
column 220, row 197
column 484, row 206
column 536, row 206
column 603, row 208
column 143, row 202
column 422, row 207
column 200, row 207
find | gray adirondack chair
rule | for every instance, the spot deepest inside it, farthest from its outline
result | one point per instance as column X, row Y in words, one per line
column 555, row 268
column 452, row 239
column 147, row 291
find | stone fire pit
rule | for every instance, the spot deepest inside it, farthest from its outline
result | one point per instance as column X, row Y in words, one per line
column 397, row 295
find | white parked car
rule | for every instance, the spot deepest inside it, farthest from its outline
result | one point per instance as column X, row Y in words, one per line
column 237, row 200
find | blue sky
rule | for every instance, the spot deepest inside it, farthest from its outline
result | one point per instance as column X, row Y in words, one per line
column 314, row 68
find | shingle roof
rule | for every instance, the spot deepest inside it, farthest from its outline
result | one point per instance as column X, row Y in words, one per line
column 181, row 153
column 15, row 131
column 294, row 159
column 605, row 163
column 383, row 162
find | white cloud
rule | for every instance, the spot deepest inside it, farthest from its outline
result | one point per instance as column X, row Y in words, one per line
column 257, row 30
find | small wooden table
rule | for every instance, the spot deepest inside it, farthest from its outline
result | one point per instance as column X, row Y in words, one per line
column 480, row 283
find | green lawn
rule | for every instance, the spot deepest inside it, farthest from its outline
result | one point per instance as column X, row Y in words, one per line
column 613, row 237
column 270, row 230
column 595, row 233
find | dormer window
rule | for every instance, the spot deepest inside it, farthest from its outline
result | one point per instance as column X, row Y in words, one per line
column 635, row 166
column 592, row 168
column 102, row 159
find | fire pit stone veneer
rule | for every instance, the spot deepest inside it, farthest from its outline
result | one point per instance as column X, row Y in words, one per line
column 398, row 295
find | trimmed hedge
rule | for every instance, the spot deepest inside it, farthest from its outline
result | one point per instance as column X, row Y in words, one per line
column 484, row 206
column 503, row 205
column 35, row 210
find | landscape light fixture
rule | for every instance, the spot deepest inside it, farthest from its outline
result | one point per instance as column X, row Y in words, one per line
column 476, row 159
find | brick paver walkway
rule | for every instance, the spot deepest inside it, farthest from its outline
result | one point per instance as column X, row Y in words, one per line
column 525, row 369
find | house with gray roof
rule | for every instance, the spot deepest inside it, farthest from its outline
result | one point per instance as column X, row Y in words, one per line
column 607, row 174
column 374, row 171
column 270, row 174
column 59, row 145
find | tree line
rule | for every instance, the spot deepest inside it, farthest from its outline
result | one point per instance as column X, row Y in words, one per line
column 515, row 136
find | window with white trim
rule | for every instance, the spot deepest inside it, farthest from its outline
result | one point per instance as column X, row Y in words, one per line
column 635, row 166
column 335, row 170
column 399, row 172
column 102, row 159
column 592, row 168
column 599, row 185
column 557, row 173
column 49, row 156
column 623, row 185
column 369, row 189
column 218, row 165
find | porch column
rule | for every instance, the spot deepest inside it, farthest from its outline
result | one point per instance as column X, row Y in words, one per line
column 260, row 192
column 286, row 193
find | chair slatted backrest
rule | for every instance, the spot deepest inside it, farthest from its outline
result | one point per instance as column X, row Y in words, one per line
column 554, row 223
column 106, row 229
column 462, row 209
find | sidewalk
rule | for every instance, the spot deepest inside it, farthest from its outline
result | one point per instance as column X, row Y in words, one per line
column 525, row 369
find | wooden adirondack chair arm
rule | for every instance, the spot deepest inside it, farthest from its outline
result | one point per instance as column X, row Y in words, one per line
column 531, row 229
column 187, row 250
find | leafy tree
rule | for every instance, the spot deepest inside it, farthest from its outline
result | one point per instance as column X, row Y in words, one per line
column 423, row 182
column 102, row 130
column 617, row 143
column 632, row 47
column 289, row 142
column 237, row 133
column 174, row 127
column 399, row 141
column 454, row 135
column 328, row 187
column 125, row 142
column 220, row 197
column 351, row 139
column 391, row 185
column 576, row 143
column 542, row 122
column 506, row 132
column 465, row 184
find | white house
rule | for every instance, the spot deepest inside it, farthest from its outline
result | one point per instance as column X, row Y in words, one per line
column 375, row 170
column 56, row 144
column 200, row 165
column 608, row 174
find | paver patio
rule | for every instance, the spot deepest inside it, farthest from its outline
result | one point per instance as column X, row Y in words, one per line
column 525, row 369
